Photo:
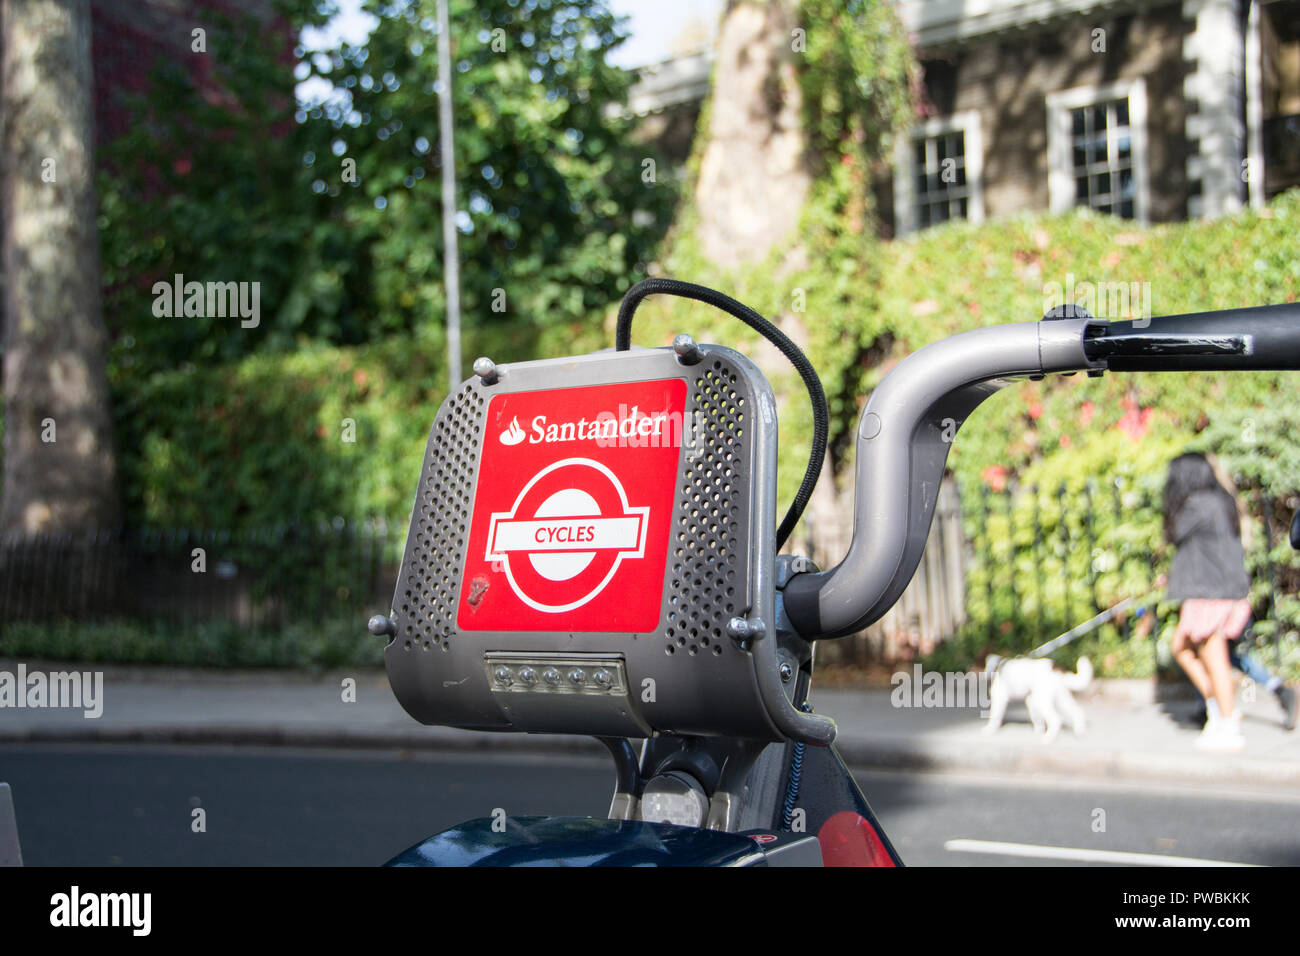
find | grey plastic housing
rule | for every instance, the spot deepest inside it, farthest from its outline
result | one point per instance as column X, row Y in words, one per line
column 688, row 676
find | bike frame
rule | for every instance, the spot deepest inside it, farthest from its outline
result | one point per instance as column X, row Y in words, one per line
column 766, row 786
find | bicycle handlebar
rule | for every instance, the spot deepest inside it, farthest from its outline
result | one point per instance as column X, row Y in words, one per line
column 912, row 417
column 1261, row 338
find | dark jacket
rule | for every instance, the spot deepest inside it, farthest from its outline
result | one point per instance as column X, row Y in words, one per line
column 1210, row 562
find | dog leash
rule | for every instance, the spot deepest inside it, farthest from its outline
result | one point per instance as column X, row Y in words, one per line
column 1091, row 624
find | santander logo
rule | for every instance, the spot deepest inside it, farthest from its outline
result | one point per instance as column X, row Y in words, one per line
column 626, row 427
column 514, row 434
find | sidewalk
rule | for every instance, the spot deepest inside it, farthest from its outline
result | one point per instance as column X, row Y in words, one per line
column 1130, row 736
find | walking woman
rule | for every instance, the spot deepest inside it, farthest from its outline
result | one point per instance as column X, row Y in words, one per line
column 1208, row 575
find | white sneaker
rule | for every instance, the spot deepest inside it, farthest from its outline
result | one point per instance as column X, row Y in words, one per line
column 1222, row 735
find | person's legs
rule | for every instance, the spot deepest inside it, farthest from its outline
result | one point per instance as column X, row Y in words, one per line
column 1213, row 653
column 1188, row 660
column 1223, row 734
column 1250, row 665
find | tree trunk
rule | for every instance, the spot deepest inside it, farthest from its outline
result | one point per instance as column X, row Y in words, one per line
column 754, row 181
column 60, row 471
column 753, row 174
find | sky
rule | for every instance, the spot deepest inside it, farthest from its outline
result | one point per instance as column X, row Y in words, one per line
column 654, row 26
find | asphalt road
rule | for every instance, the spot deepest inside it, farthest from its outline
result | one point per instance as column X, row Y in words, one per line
column 81, row 805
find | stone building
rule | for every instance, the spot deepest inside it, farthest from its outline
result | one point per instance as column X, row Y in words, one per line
column 1154, row 111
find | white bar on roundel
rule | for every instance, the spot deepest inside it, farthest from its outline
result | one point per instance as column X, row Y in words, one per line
column 566, row 534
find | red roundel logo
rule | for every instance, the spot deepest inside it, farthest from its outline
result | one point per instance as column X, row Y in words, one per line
column 573, row 508
column 566, row 535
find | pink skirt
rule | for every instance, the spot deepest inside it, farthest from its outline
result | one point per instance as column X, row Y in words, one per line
column 1202, row 618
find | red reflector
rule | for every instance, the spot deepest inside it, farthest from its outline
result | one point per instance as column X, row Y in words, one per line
column 848, row 839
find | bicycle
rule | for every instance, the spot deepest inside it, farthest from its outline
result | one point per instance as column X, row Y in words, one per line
column 593, row 550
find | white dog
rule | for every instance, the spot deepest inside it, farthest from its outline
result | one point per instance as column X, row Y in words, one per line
column 1044, row 689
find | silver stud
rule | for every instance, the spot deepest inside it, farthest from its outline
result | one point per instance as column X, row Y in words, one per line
column 688, row 352
column 743, row 630
column 486, row 369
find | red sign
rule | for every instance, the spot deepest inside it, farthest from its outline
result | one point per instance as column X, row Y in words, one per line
column 572, row 511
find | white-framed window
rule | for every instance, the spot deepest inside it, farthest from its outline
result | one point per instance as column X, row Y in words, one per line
column 1097, row 149
column 938, row 173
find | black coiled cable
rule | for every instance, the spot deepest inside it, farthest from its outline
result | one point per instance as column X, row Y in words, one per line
column 821, row 417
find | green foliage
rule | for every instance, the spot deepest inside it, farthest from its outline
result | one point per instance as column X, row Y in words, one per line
column 1066, row 541
column 1121, row 428
column 555, row 209
column 1062, row 544
column 855, row 82
column 263, row 442
column 336, row 211
column 222, row 426
column 860, row 319
column 855, row 86
column 192, row 188
column 337, row 643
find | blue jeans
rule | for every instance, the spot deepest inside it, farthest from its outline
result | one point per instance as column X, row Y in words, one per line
column 1247, row 664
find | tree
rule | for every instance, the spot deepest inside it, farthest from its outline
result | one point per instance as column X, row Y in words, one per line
column 558, row 211
column 756, row 143
column 792, row 147
column 60, row 469
column 336, row 210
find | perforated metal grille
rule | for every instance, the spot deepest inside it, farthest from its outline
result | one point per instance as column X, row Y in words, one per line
column 440, row 525
column 708, row 558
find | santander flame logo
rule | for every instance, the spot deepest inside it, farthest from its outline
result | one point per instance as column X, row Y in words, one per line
column 514, row 434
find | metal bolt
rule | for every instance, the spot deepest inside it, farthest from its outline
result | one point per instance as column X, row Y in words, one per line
column 602, row 677
column 786, row 672
column 577, row 676
column 381, row 626
column 502, row 674
column 551, row 676
column 743, row 630
column 486, row 369
column 688, row 352
column 528, row 675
